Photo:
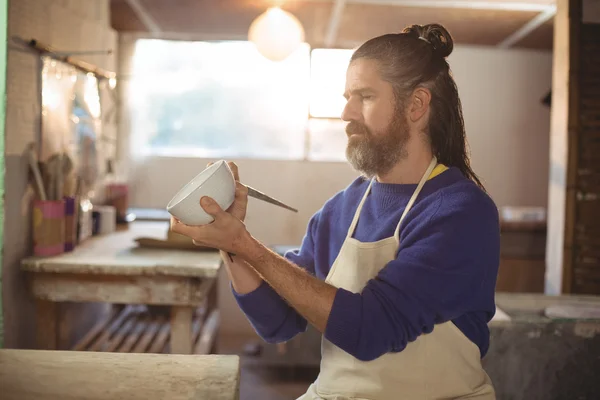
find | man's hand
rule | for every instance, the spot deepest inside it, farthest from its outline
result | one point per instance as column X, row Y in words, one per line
column 226, row 232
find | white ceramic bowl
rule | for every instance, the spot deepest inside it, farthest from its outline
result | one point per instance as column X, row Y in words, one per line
column 216, row 182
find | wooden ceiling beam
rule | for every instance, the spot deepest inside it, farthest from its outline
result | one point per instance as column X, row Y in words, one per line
column 141, row 12
column 529, row 27
column 467, row 4
column 334, row 22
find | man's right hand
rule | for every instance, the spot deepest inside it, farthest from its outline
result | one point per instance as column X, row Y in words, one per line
column 242, row 276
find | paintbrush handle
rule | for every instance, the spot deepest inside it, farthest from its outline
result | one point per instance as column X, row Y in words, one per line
column 37, row 176
column 261, row 196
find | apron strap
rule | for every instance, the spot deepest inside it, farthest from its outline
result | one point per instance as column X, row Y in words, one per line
column 414, row 196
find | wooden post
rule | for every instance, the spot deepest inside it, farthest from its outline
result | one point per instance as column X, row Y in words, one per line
column 47, row 332
column 563, row 133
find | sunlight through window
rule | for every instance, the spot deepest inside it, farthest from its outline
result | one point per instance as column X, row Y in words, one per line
column 225, row 100
column 327, row 81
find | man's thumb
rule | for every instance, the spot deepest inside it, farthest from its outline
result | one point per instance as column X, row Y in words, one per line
column 209, row 205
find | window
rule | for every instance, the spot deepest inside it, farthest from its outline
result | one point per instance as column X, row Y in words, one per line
column 327, row 82
column 223, row 99
column 326, row 131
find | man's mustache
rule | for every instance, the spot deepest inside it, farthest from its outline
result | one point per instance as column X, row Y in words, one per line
column 356, row 128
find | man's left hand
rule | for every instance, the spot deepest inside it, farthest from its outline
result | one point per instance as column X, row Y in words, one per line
column 225, row 233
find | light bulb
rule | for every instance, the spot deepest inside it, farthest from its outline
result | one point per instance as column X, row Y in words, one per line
column 276, row 34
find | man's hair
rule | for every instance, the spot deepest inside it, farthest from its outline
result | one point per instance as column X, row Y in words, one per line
column 417, row 58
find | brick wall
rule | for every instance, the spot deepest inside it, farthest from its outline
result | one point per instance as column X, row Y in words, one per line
column 67, row 25
column 585, row 277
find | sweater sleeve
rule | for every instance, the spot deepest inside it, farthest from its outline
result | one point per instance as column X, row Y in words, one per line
column 446, row 266
column 269, row 314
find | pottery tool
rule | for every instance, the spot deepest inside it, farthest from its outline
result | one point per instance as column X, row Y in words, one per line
column 261, row 196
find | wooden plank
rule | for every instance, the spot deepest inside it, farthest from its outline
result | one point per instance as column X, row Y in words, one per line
column 96, row 330
column 121, row 334
column 196, row 328
column 161, row 338
column 140, row 326
column 117, row 289
column 181, row 330
column 100, row 343
column 45, row 375
column 209, row 334
column 47, row 324
column 149, row 334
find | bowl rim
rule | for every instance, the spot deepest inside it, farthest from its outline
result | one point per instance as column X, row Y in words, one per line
column 215, row 166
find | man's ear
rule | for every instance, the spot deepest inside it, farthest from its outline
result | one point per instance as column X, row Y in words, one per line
column 419, row 103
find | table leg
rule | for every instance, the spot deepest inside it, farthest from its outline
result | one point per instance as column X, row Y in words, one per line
column 211, row 306
column 47, row 324
column 181, row 329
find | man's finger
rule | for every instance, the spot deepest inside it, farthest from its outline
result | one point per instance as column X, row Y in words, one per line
column 234, row 169
column 179, row 227
column 210, row 206
column 201, row 243
column 241, row 191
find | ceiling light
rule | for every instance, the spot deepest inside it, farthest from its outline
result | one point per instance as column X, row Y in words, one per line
column 276, row 34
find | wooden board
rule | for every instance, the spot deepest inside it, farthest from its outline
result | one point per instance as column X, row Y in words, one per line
column 165, row 290
column 118, row 254
column 69, row 375
column 152, row 243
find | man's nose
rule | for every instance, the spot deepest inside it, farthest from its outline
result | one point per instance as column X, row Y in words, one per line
column 350, row 112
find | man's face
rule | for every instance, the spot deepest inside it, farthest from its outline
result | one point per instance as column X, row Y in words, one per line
column 377, row 127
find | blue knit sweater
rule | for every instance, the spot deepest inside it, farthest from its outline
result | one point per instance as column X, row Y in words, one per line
column 445, row 269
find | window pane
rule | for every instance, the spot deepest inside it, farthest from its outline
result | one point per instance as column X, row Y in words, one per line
column 328, row 79
column 327, row 140
column 218, row 99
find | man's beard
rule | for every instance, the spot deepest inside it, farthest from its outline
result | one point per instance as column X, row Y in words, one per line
column 372, row 154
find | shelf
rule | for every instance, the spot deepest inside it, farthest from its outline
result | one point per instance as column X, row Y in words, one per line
column 139, row 329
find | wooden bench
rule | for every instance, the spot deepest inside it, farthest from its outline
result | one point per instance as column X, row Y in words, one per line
column 62, row 375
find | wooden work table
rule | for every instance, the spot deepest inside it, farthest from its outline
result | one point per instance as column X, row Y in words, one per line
column 58, row 375
column 114, row 269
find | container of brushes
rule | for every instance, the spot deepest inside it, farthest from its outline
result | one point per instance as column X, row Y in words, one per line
column 48, row 227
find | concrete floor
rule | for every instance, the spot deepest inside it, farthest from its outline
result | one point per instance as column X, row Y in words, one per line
column 263, row 382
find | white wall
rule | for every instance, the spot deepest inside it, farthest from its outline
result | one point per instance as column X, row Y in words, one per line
column 507, row 127
column 66, row 25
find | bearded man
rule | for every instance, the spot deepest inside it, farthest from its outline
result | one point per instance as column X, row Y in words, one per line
column 398, row 270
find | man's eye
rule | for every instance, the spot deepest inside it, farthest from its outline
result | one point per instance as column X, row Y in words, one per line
column 367, row 97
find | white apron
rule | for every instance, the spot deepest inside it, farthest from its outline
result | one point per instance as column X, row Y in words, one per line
column 443, row 364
